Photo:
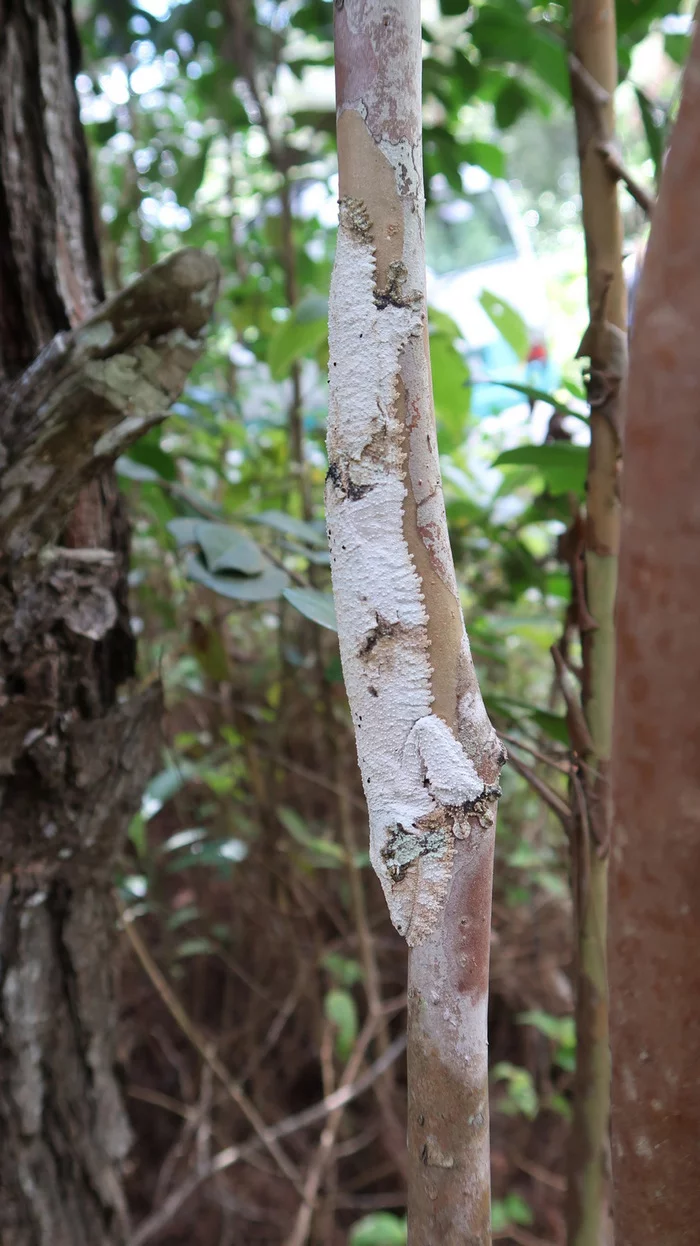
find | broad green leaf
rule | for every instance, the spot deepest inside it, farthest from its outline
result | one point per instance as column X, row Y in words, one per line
column 511, row 103
column 539, row 395
column 486, row 155
column 341, row 1010
column 132, row 470
column 562, row 464
column 164, row 786
column 264, row 587
column 547, row 58
column 227, row 549
column 184, row 530
column 300, row 335
column 509, row 323
column 380, row 1228
column 345, row 972
column 191, row 173
column 677, row 47
column 183, row 839
column 509, row 1210
column 450, row 391
column 329, row 852
column 181, row 917
column 147, row 451
column 314, row 605
column 290, row 525
column 194, row 947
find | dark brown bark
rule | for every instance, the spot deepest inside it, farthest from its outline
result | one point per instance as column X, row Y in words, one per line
column 654, row 911
column 74, row 757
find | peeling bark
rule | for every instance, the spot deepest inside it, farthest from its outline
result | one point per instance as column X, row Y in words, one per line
column 428, row 755
column 76, row 386
column 654, row 913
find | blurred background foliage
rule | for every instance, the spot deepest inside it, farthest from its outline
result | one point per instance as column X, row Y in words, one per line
column 260, row 932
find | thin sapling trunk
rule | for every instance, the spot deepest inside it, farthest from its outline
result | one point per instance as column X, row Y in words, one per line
column 429, row 757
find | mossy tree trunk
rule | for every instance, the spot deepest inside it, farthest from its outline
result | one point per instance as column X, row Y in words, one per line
column 77, row 385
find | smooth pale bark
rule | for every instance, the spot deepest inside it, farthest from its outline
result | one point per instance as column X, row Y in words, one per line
column 428, row 754
column 594, row 44
column 655, row 911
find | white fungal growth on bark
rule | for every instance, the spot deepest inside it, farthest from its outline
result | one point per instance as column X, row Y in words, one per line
column 420, row 783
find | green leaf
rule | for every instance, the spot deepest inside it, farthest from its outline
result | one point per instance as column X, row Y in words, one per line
column 264, row 587
column 290, row 525
column 148, row 452
column 328, row 852
column 131, row 470
column 450, row 381
column 227, row 549
column 345, row 972
column 509, row 323
column 191, row 170
column 677, row 47
column 540, row 395
column 380, row 1228
column 183, row 529
column 547, row 59
column 194, row 947
column 341, row 1010
column 563, row 465
column 486, row 155
column 552, row 725
column 301, row 334
column 183, row 839
column 511, row 103
column 313, row 605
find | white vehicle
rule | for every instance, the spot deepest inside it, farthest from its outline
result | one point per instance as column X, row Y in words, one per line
column 477, row 242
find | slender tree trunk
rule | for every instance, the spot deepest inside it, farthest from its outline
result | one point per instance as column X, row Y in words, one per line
column 73, row 756
column 655, row 917
column 594, row 78
column 429, row 757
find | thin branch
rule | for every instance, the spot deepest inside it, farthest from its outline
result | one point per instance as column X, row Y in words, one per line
column 563, row 766
column 619, row 170
column 578, row 727
column 596, row 95
column 155, row 1223
column 188, row 1027
column 544, row 791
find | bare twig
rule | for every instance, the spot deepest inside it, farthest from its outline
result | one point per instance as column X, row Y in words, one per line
column 594, row 92
column 563, row 766
column 180, row 1015
column 544, row 791
column 619, row 170
column 155, row 1223
column 299, row 1235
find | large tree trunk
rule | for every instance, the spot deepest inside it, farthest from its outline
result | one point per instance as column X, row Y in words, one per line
column 429, row 757
column 73, row 756
column 654, row 911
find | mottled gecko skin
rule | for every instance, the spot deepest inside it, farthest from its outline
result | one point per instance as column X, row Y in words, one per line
column 419, row 781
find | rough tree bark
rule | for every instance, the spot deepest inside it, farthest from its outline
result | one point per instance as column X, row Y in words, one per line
column 429, row 757
column 654, row 913
column 76, row 387
column 594, row 78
